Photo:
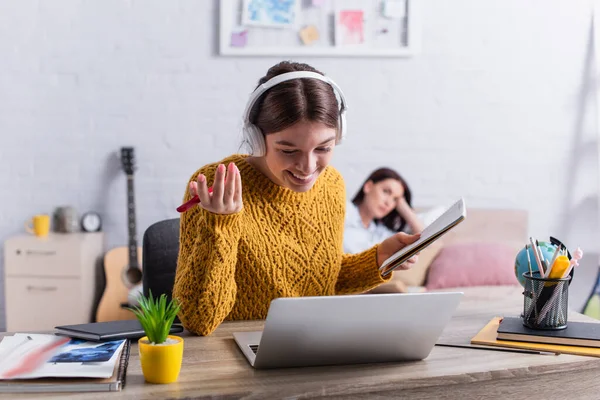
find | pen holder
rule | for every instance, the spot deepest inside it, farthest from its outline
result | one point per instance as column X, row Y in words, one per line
column 545, row 302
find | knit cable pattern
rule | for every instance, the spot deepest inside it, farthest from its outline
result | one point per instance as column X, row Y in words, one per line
column 282, row 244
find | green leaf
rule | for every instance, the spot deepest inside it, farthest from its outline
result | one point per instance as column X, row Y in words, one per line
column 156, row 316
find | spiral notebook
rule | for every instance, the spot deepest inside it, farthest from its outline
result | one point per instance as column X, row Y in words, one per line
column 114, row 383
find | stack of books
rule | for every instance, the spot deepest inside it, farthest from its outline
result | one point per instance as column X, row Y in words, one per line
column 51, row 363
column 579, row 338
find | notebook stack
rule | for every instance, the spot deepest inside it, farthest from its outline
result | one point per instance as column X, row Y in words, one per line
column 51, row 363
column 579, row 338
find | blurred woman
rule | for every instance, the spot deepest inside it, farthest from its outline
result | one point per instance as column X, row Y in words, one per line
column 381, row 208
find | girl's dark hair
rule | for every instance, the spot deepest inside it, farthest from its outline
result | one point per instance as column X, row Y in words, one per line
column 393, row 220
column 293, row 101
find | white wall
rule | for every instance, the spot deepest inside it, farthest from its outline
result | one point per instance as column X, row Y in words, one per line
column 494, row 108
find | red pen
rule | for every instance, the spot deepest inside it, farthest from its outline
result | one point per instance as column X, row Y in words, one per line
column 191, row 202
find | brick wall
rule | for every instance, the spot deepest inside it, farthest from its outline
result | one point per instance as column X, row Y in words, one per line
column 495, row 109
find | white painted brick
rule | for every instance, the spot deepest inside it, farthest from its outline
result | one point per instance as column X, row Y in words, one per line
column 495, row 102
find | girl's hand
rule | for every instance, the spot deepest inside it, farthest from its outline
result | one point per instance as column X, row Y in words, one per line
column 226, row 196
column 394, row 243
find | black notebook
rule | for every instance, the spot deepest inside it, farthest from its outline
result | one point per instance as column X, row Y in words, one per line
column 575, row 334
column 112, row 330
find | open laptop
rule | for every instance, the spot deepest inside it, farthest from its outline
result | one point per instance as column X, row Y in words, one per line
column 351, row 329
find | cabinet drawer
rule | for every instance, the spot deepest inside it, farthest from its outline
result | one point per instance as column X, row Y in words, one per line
column 42, row 303
column 54, row 256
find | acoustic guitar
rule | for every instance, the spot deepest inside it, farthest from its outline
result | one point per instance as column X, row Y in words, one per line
column 122, row 265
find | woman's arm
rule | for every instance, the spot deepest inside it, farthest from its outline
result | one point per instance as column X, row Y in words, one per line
column 412, row 219
column 204, row 281
column 359, row 272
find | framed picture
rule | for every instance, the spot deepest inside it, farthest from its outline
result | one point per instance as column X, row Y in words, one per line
column 350, row 27
column 270, row 13
column 329, row 28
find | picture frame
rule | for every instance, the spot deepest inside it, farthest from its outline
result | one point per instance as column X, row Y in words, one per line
column 350, row 27
column 270, row 13
column 328, row 35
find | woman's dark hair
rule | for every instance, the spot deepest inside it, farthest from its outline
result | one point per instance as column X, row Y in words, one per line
column 293, row 101
column 393, row 220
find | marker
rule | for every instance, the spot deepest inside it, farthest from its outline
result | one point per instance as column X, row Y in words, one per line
column 191, row 202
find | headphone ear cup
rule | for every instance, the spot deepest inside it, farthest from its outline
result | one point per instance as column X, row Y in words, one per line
column 342, row 129
column 255, row 140
column 246, row 141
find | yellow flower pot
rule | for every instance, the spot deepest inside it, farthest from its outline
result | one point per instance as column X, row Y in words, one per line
column 161, row 363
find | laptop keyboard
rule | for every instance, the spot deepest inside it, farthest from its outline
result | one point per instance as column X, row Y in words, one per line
column 253, row 347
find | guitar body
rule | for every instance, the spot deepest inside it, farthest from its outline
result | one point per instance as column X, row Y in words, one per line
column 123, row 265
column 115, row 292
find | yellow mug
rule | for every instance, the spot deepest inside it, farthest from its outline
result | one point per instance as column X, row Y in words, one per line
column 39, row 225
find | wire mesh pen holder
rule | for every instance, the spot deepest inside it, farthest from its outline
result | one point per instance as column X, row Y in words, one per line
column 545, row 302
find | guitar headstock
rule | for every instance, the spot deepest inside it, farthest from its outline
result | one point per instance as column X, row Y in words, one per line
column 128, row 160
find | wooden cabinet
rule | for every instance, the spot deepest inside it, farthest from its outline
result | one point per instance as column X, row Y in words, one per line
column 50, row 281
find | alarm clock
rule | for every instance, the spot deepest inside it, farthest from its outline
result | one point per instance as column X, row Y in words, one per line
column 91, row 222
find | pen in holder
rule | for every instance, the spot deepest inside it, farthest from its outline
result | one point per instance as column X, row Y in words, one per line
column 545, row 302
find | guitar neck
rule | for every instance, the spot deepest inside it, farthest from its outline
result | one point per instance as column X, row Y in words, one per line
column 131, row 225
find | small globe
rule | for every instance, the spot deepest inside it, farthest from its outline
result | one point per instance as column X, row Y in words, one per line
column 521, row 264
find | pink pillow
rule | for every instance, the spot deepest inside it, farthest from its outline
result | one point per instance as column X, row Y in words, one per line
column 472, row 264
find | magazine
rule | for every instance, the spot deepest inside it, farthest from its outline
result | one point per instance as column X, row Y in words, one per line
column 29, row 356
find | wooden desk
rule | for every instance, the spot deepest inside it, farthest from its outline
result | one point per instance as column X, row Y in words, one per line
column 214, row 367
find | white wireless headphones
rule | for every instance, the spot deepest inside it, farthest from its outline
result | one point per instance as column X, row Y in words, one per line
column 254, row 138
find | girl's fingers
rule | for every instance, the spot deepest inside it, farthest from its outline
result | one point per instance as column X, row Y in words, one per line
column 224, row 197
column 202, row 190
column 193, row 189
column 406, row 239
column 408, row 264
column 218, row 187
column 237, row 196
column 229, row 185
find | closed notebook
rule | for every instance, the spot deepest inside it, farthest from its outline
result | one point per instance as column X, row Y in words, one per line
column 115, row 383
column 487, row 337
column 575, row 334
column 112, row 330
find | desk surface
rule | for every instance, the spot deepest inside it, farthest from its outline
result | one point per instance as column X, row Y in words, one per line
column 214, row 366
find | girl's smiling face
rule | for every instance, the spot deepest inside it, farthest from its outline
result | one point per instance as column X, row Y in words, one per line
column 297, row 155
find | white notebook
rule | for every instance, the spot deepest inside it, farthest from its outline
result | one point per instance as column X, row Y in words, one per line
column 448, row 220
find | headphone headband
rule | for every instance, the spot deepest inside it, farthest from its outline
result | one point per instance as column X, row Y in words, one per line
column 253, row 136
column 288, row 76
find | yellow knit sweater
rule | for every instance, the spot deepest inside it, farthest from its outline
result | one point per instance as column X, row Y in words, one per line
column 282, row 244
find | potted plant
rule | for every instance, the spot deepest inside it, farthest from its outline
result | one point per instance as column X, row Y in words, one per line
column 160, row 353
